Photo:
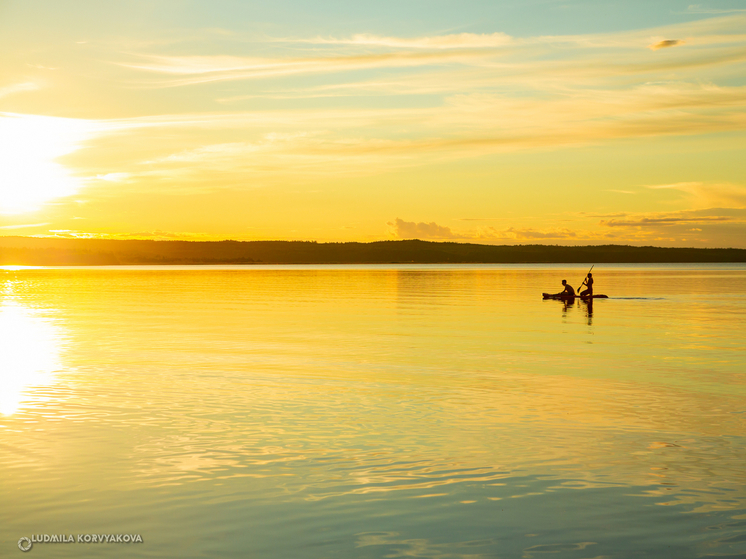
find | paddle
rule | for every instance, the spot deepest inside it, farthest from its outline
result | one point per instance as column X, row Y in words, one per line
column 589, row 271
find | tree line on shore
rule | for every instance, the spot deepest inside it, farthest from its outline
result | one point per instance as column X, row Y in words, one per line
column 41, row 251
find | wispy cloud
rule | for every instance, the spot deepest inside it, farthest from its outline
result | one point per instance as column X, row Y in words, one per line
column 683, row 217
column 453, row 41
column 159, row 234
column 705, row 195
column 674, row 186
column 210, row 69
column 24, row 226
column 657, row 221
column 528, row 234
column 616, row 214
column 17, row 88
column 112, row 177
column 666, row 43
column 700, row 9
column 202, row 64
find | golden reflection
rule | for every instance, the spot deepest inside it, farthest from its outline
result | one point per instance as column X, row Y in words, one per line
column 30, row 349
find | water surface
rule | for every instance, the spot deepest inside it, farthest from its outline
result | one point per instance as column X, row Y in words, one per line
column 374, row 411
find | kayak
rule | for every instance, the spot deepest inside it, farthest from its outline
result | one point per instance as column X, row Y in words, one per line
column 570, row 297
column 566, row 297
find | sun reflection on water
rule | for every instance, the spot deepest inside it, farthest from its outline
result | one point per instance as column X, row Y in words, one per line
column 30, row 349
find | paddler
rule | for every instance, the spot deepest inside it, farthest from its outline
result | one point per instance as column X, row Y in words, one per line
column 568, row 292
column 589, row 283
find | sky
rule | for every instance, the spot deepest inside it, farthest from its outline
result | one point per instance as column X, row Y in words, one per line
column 495, row 122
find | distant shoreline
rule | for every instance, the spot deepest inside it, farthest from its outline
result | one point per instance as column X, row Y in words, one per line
column 40, row 251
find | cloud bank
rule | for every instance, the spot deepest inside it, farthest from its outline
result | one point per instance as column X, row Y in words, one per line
column 412, row 230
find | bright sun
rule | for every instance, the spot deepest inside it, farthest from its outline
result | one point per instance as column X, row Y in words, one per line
column 30, row 176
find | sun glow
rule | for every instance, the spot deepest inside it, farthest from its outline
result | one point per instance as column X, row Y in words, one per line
column 30, row 174
column 30, row 348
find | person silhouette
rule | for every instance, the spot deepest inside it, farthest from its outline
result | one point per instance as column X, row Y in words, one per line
column 588, row 282
column 568, row 291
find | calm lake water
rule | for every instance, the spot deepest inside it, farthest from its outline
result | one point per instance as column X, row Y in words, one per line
column 374, row 411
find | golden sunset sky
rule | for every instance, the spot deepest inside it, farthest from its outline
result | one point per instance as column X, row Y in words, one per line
column 517, row 121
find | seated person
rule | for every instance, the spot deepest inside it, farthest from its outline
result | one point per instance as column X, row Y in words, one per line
column 568, row 292
column 589, row 283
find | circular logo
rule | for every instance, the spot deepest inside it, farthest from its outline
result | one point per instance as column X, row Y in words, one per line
column 24, row 544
